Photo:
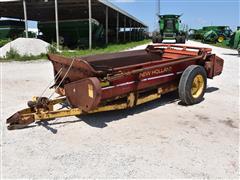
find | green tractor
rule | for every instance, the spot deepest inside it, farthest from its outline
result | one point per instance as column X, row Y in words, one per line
column 214, row 34
column 169, row 26
column 195, row 34
column 234, row 41
column 211, row 34
column 11, row 29
column 72, row 33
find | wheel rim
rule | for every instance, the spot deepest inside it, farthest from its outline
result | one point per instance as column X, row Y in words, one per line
column 197, row 86
column 220, row 39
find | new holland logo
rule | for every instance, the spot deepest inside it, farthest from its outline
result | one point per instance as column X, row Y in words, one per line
column 155, row 72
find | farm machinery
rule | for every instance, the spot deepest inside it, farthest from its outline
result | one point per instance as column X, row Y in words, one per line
column 234, row 41
column 11, row 29
column 122, row 80
column 72, row 33
column 169, row 29
column 211, row 34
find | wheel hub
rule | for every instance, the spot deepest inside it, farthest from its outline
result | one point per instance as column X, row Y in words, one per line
column 220, row 39
column 197, row 86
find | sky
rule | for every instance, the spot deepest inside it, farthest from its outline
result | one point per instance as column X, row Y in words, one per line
column 196, row 13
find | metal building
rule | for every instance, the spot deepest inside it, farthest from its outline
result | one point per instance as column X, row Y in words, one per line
column 48, row 10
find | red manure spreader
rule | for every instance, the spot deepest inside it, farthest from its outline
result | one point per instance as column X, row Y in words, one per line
column 122, row 80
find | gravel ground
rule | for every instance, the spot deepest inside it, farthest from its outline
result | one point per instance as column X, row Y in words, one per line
column 160, row 139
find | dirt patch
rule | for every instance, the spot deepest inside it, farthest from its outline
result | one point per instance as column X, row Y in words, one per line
column 230, row 123
column 203, row 118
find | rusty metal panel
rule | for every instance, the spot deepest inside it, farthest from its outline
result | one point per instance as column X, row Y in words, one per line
column 84, row 94
column 218, row 66
column 213, row 66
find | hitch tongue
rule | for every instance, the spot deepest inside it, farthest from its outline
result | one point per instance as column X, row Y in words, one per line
column 25, row 117
column 18, row 120
column 40, row 108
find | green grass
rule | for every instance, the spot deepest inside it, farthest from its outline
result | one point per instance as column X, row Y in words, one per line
column 14, row 55
column 24, row 58
column 222, row 45
column 108, row 49
column 4, row 41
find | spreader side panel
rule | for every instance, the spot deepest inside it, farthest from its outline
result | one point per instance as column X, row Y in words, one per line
column 84, row 94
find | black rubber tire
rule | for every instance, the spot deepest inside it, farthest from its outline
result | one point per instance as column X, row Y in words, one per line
column 157, row 39
column 178, row 39
column 160, row 40
column 154, row 40
column 185, row 84
column 183, row 40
